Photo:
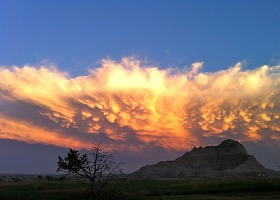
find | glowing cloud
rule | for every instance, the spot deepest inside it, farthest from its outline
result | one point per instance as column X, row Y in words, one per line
column 127, row 105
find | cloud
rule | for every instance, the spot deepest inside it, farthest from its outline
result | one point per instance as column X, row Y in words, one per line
column 130, row 106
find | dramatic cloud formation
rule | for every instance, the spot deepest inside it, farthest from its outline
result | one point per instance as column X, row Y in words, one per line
column 130, row 106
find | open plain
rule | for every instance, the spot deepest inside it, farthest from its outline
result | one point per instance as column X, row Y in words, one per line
column 27, row 187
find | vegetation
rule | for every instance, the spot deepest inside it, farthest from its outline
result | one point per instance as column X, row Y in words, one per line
column 92, row 172
column 229, row 189
column 97, row 166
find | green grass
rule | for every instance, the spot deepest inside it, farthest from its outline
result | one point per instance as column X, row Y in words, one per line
column 38, row 190
column 208, row 189
column 177, row 188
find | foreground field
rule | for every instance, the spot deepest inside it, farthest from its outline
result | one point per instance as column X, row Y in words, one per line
column 26, row 188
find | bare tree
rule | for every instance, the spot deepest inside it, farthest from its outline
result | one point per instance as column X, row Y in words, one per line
column 97, row 166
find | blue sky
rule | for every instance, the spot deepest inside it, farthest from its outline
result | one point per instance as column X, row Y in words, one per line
column 165, row 114
column 76, row 35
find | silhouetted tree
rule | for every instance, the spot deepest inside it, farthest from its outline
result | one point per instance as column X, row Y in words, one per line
column 97, row 166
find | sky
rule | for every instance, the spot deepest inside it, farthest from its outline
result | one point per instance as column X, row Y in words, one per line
column 148, row 79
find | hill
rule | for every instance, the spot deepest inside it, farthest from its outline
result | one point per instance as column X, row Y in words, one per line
column 229, row 158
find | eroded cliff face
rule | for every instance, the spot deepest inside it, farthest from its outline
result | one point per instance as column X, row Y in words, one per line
column 228, row 158
column 228, row 155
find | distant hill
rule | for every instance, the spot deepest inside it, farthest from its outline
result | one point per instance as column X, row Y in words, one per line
column 229, row 158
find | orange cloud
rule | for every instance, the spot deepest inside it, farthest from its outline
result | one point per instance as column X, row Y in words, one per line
column 22, row 131
column 130, row 105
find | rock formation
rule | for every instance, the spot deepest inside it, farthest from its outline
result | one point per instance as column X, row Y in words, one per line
column 230, row 158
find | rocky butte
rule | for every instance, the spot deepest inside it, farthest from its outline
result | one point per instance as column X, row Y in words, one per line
column 229, row 158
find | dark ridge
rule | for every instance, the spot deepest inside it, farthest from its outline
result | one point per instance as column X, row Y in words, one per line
column 227, row 159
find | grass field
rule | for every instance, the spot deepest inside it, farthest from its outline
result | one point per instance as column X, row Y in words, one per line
column 228, row 189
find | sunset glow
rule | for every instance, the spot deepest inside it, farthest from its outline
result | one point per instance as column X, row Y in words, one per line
column 128, row 104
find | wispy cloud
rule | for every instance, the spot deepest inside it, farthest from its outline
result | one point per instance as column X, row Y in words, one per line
column 129, row 106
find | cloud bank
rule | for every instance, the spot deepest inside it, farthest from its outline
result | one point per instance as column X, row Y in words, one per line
column 129, row 106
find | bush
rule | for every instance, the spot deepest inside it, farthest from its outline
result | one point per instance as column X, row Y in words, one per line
column 39, row 177
column 62, row 178
column 49, row 178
